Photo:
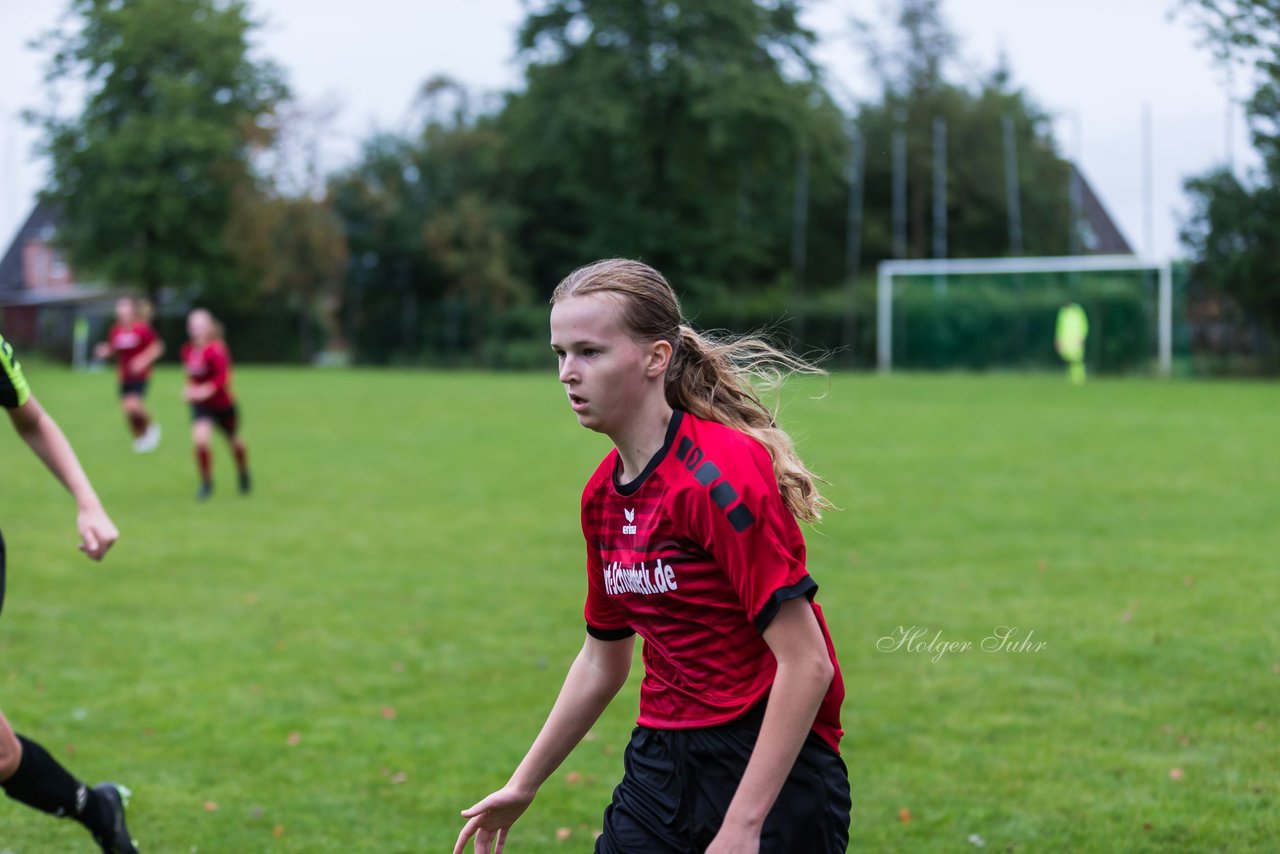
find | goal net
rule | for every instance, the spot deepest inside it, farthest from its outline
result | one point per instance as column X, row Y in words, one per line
column 979, row 313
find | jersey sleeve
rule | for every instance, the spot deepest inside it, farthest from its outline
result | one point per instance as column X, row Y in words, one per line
column 603, row 620
column 740, row 519
column 14, row 391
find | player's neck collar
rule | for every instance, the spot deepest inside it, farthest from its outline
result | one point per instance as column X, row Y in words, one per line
column 673, row 427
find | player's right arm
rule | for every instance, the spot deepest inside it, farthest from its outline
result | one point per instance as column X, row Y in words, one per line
column 595, row 677
column 42, row 434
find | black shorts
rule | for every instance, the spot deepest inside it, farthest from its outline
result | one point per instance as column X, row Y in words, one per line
column 138, row 387
column 678, row 784
column 228, row 419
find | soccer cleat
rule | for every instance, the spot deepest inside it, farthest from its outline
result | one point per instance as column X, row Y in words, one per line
column 117, row 839
column 149, row 440
column 245, row 485
column 205, row 490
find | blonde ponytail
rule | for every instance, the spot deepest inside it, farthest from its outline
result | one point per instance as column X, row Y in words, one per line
column 716, row 379
column 720, row 379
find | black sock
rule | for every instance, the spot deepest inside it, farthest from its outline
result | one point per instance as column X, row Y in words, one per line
column 41, row 783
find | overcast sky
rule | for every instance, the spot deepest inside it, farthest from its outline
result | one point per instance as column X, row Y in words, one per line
column 1095, row 64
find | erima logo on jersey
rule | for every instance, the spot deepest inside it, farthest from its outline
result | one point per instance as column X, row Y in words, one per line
column 630, row 527
column 637, row 578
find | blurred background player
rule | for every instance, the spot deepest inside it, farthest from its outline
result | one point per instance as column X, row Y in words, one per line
column 135, row 347
column 28, row 774
column 1073, row 329
column 208, row 365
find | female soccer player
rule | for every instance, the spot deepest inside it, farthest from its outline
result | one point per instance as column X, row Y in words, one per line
column 208, row 390
column 135, row 347
column 28, row 773
column 692, row 543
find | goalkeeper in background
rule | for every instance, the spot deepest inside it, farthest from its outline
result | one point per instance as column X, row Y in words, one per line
column 1073, row 329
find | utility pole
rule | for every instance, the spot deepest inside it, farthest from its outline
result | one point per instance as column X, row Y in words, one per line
column 799, row 241
column 1012, row 190
column 899, row 145
column 1148, row 204
column 940, row 197
column 853, row 237
column 1076, row 191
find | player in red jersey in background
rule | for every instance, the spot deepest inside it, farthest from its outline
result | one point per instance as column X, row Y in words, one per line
column 692, row 543
column 135, row 347
column 208, row 390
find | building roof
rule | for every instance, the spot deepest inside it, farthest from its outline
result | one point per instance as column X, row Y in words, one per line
column 1099, row 233
column 40, row 225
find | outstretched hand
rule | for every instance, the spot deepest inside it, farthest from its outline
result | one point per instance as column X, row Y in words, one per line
column 490, row 819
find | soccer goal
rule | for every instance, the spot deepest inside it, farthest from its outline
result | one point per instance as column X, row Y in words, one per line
column 897, row 277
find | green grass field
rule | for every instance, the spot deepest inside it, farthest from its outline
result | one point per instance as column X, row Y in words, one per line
column 368, row 644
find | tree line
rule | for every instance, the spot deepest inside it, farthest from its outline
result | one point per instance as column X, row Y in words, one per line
column 700, row 136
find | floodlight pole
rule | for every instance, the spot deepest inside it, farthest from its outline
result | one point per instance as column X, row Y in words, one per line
column 884, row 318
column 1164, row 310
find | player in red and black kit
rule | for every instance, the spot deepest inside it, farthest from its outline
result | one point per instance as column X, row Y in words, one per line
column 208, row 390
column 28, row 773
column 693, row 544
column 135, row 347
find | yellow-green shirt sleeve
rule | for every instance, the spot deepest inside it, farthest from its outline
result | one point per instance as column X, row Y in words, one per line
column 14, row 390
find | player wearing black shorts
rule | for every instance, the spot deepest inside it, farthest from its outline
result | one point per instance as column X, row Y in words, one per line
column 692, row 543
column 135, row 347
column 28, row 773
column 208, row 390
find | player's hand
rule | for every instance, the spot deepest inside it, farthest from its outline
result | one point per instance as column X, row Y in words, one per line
column 102, row 350
column 731, row 841
column 489, row 820
column 97, row 532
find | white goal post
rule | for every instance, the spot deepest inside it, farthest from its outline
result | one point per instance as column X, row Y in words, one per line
column 977, row 266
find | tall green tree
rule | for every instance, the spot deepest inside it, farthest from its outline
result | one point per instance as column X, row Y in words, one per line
column 430, row 227
column 146, row 172
column 668, row 130
column 1233, row 232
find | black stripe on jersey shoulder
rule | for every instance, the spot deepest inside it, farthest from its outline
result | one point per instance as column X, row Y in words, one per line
column 723, row 494
column 706, row 472
column 610, row 634
column 806, row 587
column 673, row 427
column 741, row 518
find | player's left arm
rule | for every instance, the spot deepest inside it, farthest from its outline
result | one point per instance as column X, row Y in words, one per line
column 804, row 673
column 42, row 434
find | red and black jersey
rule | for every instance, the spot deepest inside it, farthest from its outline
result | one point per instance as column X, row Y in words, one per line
column 696, row 555
column 128, row 340
column 210, row 363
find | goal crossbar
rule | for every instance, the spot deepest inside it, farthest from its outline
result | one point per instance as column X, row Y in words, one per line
column 1060, row 264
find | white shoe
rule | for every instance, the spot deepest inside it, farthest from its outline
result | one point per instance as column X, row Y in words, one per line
column 149, row 440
